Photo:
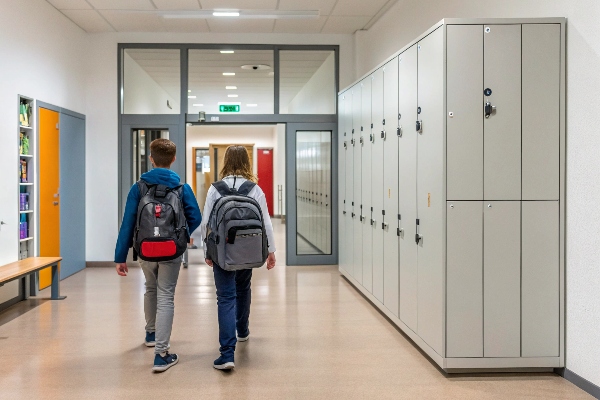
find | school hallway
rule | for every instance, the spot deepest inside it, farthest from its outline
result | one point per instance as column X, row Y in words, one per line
column 313, row 336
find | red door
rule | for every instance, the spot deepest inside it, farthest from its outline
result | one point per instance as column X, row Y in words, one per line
column 265, row 175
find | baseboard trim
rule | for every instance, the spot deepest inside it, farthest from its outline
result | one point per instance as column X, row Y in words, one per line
column 99, row 264
column 580, row 382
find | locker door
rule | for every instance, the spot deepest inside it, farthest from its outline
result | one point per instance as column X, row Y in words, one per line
column 356, row 223
column 540, row 274
column 343, row 216
column 464, row 306
column 351, row 210
column 431, row 192
column 327, row 139
column 407, row 181
column 502, row 278
column 464, row 120
column 377, row 182
column 390, row 192
column 502, row 130
column 366, row 132
column 541, row 111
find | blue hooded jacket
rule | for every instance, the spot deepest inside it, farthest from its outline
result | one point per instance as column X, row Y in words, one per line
column 157, row 176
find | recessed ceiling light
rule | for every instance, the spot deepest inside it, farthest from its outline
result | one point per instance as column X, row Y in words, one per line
column 198, row 105
column 189, row 90
column 191, row 97
column 232, row 95
column 227, row 51
column 226, row 14
column 228, row 73
column 231, row 87
column 251, row 105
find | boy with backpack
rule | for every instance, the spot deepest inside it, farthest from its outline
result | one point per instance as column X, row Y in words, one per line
column 160, row 214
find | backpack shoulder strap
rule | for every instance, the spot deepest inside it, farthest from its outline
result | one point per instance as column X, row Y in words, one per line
column 222, row 188
column 246, row 188
column 144, row 187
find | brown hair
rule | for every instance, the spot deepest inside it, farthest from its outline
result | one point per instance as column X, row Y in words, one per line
column 163, row 152
column 237, row 162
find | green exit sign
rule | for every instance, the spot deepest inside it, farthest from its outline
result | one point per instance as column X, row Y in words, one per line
column 229, row 108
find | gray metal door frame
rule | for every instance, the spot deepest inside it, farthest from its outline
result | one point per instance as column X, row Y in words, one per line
column 292, row 258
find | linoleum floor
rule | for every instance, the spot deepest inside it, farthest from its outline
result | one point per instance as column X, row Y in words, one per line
column 313, row 336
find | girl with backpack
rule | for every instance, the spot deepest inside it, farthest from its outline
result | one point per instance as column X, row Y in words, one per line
column 238, row 237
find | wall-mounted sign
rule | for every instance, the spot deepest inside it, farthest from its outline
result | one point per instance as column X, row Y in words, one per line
column 229, row 108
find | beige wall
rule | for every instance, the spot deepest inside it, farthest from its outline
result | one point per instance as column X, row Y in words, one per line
column 409, row 18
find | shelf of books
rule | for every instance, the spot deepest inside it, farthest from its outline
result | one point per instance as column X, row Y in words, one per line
column 27, row 184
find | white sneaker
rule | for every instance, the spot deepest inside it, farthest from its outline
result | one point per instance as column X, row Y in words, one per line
column 243, row 339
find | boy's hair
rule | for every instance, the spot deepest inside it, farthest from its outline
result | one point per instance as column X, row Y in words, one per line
column 237, row 162
column 163, row 152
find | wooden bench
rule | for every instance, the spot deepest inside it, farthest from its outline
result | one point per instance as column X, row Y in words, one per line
column 19, row 269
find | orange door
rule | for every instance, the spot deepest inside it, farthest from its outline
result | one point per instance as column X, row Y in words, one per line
column 49, row 190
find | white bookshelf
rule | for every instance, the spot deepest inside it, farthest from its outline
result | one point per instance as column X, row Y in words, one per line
column 27, row 183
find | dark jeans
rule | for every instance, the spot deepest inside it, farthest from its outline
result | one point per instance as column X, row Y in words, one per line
column 233, row 301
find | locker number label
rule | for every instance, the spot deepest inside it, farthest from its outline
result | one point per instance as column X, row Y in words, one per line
column 389, row 193
column 428, row 199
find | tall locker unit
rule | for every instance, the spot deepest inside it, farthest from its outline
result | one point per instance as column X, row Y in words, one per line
column 478, row 156
column 343, row 214
column 357, row 189
column 366, row 134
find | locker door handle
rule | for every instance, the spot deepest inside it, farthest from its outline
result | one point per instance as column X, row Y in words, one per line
column 400, row 232
column 372, row 138
column 373, row 222
column 399, row 131
column 489, row 109
column 418, row 238
column 383, row 135
column 345, row 145
column 344, row 212
column 419, row 126
column 384, row 226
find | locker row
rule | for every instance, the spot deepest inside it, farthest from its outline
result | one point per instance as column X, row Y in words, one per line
column 313, row 193
column 450, row 191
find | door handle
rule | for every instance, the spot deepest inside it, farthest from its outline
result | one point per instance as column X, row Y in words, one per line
column 400, row 232
column 384, row 226
column 489, row 109
column 55, row 203
column 399, row 131
column 419, row 126
column 383, row 134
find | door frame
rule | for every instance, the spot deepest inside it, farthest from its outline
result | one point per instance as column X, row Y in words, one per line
column 291, row 205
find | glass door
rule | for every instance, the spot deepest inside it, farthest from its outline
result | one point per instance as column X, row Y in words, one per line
column 311, row 194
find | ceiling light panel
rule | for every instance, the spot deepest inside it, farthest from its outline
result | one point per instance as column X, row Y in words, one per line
column 225, row 14
column 228, row 73
column 121, row 5
column 238, row 4
column 232, row 95
column 231, row 87
column 197, row 105
column 227, row 52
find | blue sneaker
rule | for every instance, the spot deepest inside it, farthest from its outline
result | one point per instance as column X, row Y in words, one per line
column 164, row 363
column 150, row 339
column 223, row 363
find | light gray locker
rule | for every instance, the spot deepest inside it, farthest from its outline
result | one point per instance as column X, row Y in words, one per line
column 356, row 147
column 343, row 213
column 377, row 170
column 367, row 229
column 350, row 209
column 464, row 120
column 541, row 111
column 327, row 138
column 390, row 186
column 502, row 129
column 540, row 275
column 502, row 278
column 407, row 181
column 431, row 192
column 464, row 304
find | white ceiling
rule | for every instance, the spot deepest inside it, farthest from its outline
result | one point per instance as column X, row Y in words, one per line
column 335, row 16
column 207, row 82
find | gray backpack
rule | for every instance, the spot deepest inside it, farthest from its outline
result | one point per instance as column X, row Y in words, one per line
column 236, row 231
column 161, row 232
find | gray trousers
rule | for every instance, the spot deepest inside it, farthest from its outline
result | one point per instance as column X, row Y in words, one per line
column 159, row 307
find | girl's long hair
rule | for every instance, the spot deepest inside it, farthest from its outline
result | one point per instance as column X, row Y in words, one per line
column 237, row 162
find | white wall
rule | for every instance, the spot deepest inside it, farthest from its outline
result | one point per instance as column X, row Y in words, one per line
column 102, row 116
column 40, row 57
column 409, row 18
column 143, row 95
column 318, row 95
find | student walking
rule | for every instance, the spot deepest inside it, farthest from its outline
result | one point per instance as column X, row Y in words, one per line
column 160, row 215
column 239, row 237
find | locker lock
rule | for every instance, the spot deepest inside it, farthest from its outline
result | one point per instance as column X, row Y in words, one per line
column 400, row 232
column 419, row 126
column 383, row 135
column 372, row 138
column 362, row 140
column 489, row 109
column 399, row 131
column 345, row 145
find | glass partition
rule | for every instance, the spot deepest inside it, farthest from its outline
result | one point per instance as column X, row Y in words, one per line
column 151, row 81
column 313, row 192
column 307, row 82
column 231, row 81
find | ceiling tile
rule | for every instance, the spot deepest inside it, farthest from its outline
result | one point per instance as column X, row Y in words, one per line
column 185, row 25
column 299, row 25
column 134, row 22
column 324, row 6
column 337, row 24
column 70, row 4
column 122, row 4
column 239, row 4
column 177, row 4
column 358, row 7
column 240, row 25
column 88, row 20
